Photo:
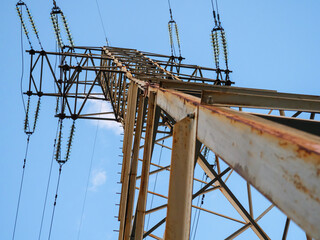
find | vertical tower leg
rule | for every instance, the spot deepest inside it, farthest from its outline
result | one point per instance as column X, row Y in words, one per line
column 181, row 179
column 133, row 172
column 142, row 199
column 127, row 146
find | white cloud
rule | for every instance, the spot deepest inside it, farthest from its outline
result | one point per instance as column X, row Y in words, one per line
column 98, row 178
column 97, row 106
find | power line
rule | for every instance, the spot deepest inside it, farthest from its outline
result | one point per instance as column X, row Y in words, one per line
column 48, row 183
column 89, row 174
column 55, row 201
column 21, row 185
column 102, row 24
column 28, row 139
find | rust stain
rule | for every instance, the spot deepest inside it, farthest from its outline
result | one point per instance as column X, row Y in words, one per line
column 306, row 148
column 301, row 187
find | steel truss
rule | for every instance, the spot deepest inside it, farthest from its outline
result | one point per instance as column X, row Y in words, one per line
column 184, row 108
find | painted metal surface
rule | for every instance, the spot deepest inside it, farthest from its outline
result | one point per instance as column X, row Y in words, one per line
column 281, row 162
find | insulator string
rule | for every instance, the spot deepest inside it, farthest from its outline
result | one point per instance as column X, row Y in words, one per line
column 56, row 12
column 173, row 27
column 31, row 21
column 219, row 41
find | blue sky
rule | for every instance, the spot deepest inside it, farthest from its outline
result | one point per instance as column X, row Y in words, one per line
column 272, row 45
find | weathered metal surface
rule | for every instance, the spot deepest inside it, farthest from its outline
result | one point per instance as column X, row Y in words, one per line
column 133, row 171
column 142, row 199
column 281, row 162
column 271, row 100
column 181, row 180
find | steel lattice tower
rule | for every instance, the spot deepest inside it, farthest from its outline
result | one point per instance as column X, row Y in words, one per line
column 187, row 110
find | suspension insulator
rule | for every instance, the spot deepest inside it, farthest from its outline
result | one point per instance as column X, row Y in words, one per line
column 26, row 120
column 58, row 148
column 33, row 26
column 24, row 25
column 224, row 45
column 36, row 115
column 215, row 45
column 55, row 13
column 70, row 140
column 64, row 20
column 32, row 23
column 57, row 105
column 177, row 36
column 170, row 36
column 56, row 29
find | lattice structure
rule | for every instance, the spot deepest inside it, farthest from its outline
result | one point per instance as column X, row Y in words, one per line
column 184, row 109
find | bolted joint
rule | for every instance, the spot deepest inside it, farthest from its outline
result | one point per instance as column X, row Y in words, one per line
column 65, row 67
column 79, row 69
column 74, row 116
column 61, row 116
column 29, row 93
column 32, row 52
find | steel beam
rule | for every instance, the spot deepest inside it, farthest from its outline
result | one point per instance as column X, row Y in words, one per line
column 259, row 149
column 133, row 171
column 282, row 101
column 180, row 185
column 142, row 199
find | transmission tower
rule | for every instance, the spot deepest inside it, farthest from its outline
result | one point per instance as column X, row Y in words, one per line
column 209, row 127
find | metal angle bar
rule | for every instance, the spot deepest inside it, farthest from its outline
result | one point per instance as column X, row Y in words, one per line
column 86, row 98
column 309, row 126
column 141, row 204
column 156, row 171
column 279, row 101
column 154, row 228
column 218, row 214
column 201, row 191
column 286, row 228
column 133, row 169
column 261, row 234
column 245, row 227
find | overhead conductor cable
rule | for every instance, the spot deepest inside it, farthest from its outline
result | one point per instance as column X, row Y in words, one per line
column 28, row 131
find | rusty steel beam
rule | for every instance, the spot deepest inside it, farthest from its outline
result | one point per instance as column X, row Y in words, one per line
column 180, row 185
column 142, row 198
column 282, row 101
column 256, row 148
column 259, row 149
